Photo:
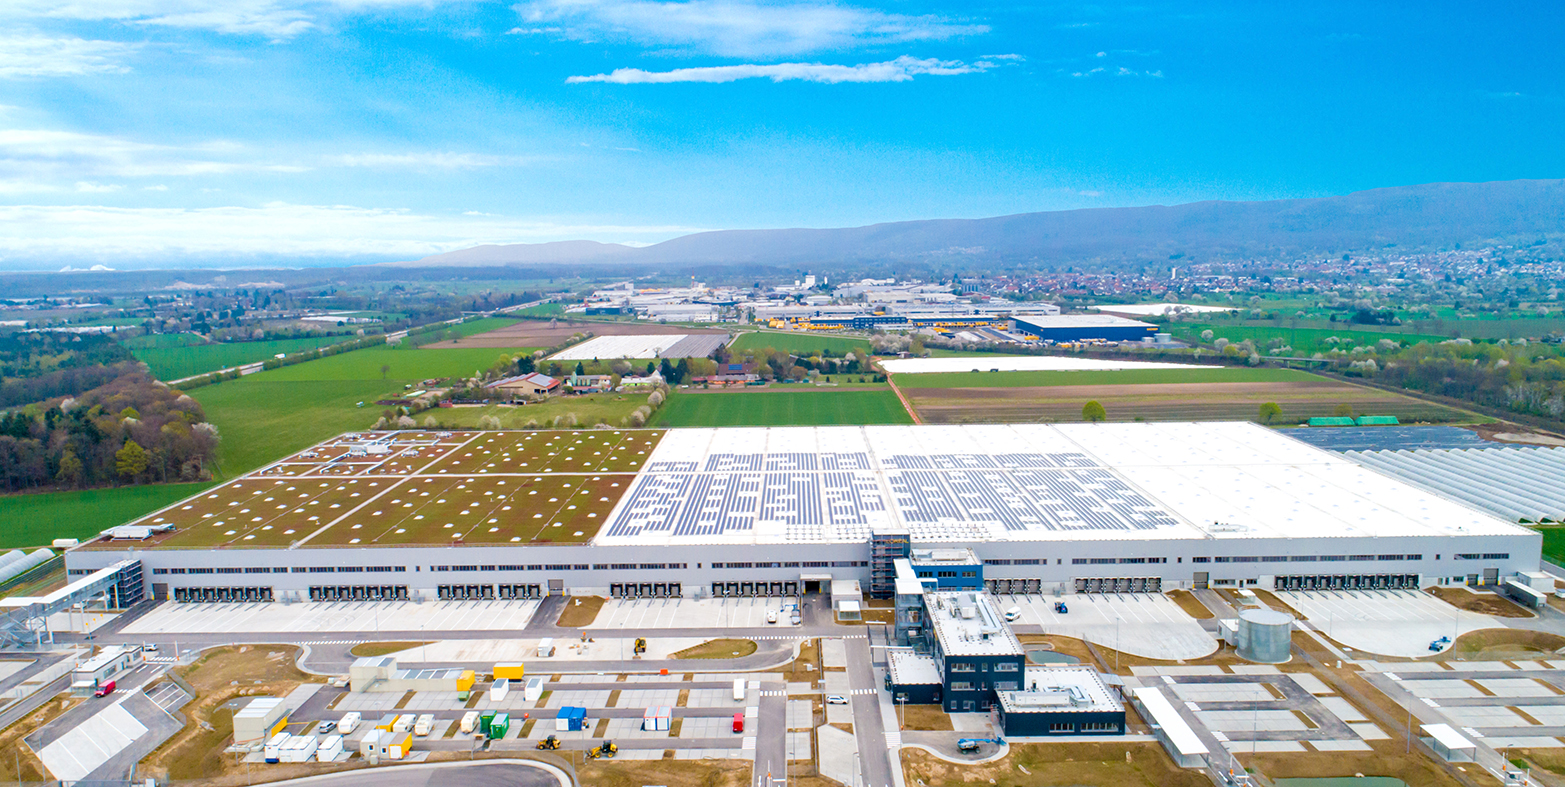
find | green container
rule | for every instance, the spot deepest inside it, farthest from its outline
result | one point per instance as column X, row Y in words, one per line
column 500, row 725
column 485, row 720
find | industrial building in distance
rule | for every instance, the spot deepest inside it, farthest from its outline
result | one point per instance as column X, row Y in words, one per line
column 771, row 511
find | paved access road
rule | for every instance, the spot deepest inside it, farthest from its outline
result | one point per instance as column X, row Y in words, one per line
column 511, row 773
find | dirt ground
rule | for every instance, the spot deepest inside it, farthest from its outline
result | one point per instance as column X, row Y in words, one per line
column 1192, row 606
column 364, row 649
column 1483, row 603
column 806, row 667
column 580, row 611
column 1179, row 401
column 924, row 717
column 1515, row 433
column 22, row 758
column 717, row 649
column 196, row 752
column 1039, row 764
column 1387, row 759
column 537, row 333
column 1493, row 644
column 1270, row 599
column 673, row 773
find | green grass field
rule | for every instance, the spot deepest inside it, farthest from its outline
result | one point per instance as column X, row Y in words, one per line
column 184, row 360
column 1304, row 341
column 1554, row 543
column 160, row 340
column 987, row 379
column 262, row 419
column 406, row 364
column 801, row 344
column 588, row 408
column 820, row 407
column 36, row 520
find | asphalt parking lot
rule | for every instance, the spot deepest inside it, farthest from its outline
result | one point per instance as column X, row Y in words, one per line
column 1385, row 622
column 1144, row 624
column 713, row 613
column 172, row 617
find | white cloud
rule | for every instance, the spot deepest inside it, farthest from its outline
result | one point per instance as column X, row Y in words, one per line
column 425, row 160
column 274, row 19
column 902, row 69
column 88, row 187
column 281, row 229
column 42, row 160
column 736, row 28
column 38, row 55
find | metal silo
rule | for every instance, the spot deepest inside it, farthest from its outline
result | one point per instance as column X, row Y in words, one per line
column 1265, row 635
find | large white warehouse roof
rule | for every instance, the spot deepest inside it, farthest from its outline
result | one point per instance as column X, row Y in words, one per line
column 1023, row 482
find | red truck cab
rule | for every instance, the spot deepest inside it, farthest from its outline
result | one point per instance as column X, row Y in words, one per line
column 104, row 689
column 738, row 722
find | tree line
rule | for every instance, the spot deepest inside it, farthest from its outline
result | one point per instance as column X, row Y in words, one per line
column 130, row 430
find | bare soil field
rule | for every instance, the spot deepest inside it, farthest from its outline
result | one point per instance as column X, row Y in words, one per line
column 1029, row 764
column 1482, row 603
column 1167, row 402
column 537, row 333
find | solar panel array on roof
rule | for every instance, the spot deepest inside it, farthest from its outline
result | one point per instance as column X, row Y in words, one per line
column 1023, row 482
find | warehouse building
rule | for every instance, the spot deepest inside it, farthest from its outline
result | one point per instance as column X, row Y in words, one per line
column 1062, row 328
column 1032, row 508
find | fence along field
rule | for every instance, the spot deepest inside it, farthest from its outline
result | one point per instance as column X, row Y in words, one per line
column 1154, row 396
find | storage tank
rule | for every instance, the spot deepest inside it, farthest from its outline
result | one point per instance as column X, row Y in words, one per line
column 1265, row 635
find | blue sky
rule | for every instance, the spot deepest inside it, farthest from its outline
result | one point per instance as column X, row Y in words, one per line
column 136, row 132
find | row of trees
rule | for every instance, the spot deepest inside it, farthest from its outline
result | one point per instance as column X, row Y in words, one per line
column 131, row 430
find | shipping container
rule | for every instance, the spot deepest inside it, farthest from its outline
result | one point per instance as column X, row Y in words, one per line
column 511, row 670
column 532, row 689
column 299, row 748
column 370, row 745
column 546, row 647
column 330, row 749
column 498, row 691
column 484, row 720
column 274, row 747
column 397, row 745
column 500, row 726
column 570, row 719
column 469, row 722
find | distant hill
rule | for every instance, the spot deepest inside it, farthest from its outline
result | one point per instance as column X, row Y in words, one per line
column 1408, row 217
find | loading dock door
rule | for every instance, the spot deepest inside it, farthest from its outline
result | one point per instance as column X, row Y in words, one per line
column 1202, row 580
column 556, row 587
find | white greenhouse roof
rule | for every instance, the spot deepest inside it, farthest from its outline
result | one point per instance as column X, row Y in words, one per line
column 1019, row 482
column 1512, row 483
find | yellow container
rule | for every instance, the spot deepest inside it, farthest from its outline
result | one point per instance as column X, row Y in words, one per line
column 510, row 671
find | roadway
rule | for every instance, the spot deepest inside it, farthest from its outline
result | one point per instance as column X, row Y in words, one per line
column 330, row 653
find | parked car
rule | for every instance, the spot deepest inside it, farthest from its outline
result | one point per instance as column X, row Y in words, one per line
column 771, row 616
column 836, row 699
column 326, row 728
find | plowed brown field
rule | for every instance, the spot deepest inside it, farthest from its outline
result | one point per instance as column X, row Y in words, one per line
column 1168, row 402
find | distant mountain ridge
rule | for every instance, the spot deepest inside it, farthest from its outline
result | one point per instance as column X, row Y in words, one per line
column 1412, row 217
